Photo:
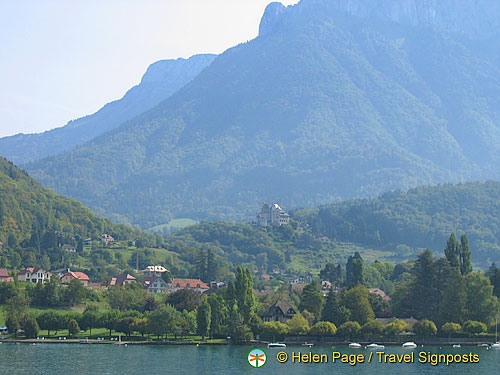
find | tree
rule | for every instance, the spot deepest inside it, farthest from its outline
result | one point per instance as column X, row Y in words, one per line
column 311, row 299
column 203, row 319
column 451, row 307
column 219, row 311
column 75, row 292
column 323, row 329
column 31, row 328
column 474, row 327
column 185, row 299
column 108, row 320
column 245, row 298
column 298, row 325
column 12, row 324
column 73, row 327
column 396, row 327
column 480, row 304
column 140, row 325
column 7, row 290
column 380, row 306
column 48, row 320
column 354, row 270
column 349, row 329
column 424, row 295
column 237, row 330
column 187, row 323
column 90, row 319
column 425, row 328
column 332, row 273
column 452, row 251
column 465, row 256
column 373, row 327
column 161, row 321
column 125, row 325
column 334, row 311
column 17, row 306
column 356, row 300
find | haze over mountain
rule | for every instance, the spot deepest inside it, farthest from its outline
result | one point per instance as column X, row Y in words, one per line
column 161, row 80
column 335, row 99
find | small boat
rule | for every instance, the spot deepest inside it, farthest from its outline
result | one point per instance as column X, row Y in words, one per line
column 484, row 345
column 308, row 344
column 409, row 345
column 375, row 346
column 457, row 345
column 355, row 345
column 276, row 345
column 495, row 345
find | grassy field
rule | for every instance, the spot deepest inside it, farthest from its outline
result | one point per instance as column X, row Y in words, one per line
column 174, row 223
column 2, row 318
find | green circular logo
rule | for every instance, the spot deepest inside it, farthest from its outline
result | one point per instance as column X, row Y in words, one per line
column 257, row 358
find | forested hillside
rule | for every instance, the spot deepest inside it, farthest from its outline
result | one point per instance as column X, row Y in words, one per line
column 420, row 218
column 331, row 101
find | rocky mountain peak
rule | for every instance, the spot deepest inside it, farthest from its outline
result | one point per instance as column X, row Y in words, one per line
column 272, row 15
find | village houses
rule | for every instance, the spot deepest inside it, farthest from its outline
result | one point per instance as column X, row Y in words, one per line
column 34, row 275
column 70, row 276
column 4, row 276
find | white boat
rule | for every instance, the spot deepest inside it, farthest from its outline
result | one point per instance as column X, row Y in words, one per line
column 495, row 345
column 355, row 345
column 307, row 344
column 276, row 345
column 409, row 345
column 375, row 346
column 457, row 345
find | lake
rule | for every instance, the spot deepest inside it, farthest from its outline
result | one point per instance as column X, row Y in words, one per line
column 63, row 359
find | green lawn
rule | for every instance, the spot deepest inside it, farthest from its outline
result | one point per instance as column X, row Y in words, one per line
column 2, row 318
column 174, row 223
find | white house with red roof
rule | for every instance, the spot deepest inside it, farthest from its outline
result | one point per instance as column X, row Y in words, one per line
column 155, row 284
column 34, row 275
column 193, row 284
column 69, row 276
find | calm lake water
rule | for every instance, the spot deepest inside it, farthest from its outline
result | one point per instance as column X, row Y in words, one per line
column 59, row 359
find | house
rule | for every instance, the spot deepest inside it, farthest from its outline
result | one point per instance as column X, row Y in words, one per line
column 154, row 271
column 122, row 280
column 216, row 285
column 60, row 272
column 193, row 284
column 87, row 241
column 272, row 215
column 106, row 238
column 297, row 288
column 69, row 276
column 34, row 275
column 279, row 312
column 69, row 248
column 155, row 284
column 300, row 279
column 380, row 293
column 4, row 276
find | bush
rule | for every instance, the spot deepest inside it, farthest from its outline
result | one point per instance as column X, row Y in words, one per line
column 73, row 327
column 450, row 328
column 425, row 328
column 349, row 329
column 323, row 329
column 373, row 327
column 274, row 331
column 396, row 327
column 474, row 327
column 298, row 325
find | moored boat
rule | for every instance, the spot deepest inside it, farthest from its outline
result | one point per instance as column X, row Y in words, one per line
column 355, row 345
column 495, row 345
column 375, row 346
column 307, row 344
column 276, row 345
column 409, row 345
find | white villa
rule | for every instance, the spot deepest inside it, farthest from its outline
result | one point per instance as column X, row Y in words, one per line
column 272, row 215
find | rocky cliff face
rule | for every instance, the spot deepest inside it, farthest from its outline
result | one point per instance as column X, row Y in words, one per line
column 272, row 16
column 477, row 19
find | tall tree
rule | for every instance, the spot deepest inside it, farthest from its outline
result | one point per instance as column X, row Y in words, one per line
column 356, row 300
column 451, row 308
column 451, row 250
column 245, row 297
column 203, row 319
column 424, row 295
column 354, row 270
column 334, row 311
column 465, row 256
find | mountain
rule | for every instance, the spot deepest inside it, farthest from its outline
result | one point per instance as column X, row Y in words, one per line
column 161, row 80
column 28, row 211
column 334, row 100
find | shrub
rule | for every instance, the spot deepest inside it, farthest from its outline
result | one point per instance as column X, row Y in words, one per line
column 425, row 328
column 349, row 329
column 31, row 328
column 373, row 327
column 323, row 329
column 396, row 327
column 474, row 327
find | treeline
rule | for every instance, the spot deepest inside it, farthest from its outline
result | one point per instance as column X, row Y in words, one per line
column 419, row 218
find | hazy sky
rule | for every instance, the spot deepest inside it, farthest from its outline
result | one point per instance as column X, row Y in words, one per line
column 63, row 59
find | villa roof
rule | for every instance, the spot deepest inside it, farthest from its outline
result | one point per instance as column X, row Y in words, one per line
column 78, row 275
column 189, row 283
column 4, row 272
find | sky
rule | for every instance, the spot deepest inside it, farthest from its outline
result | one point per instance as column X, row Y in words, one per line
column 64, row 59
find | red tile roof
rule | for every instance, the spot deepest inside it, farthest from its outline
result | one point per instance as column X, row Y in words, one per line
column 29, row 269
column 189, row 283
column 4, row 272
column 78, row 275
